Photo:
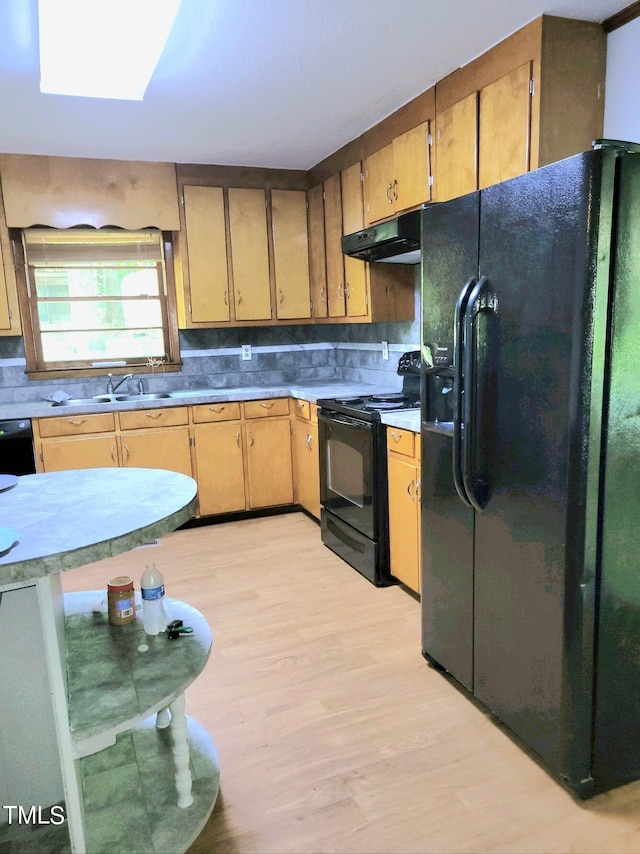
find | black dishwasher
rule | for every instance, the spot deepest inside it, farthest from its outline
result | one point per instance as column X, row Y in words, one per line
column 16, row 447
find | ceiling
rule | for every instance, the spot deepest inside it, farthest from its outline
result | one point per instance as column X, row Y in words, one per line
column 273, row 83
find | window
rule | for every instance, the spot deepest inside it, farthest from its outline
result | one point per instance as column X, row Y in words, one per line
column 98, row 298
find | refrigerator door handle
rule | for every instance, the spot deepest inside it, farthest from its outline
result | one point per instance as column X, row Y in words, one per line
column 458, row 388
column 481, row 304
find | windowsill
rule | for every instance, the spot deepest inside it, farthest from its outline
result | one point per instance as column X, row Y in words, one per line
column 142, row 367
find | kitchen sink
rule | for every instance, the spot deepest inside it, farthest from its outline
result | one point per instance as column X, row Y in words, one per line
column 83, row 401
column 150, row 395
column 112, row 398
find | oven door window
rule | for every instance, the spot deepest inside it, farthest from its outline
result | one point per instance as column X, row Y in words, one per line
column 346, row 471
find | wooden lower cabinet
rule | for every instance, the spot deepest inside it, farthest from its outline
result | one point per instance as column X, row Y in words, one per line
column 269, row 466
column 78, row 452
column 403, row 458
column 220, row 467
column 306, row 461
column 240, row 454
column 161, row 448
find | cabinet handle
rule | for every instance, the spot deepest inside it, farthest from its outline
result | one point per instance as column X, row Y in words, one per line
column 396, row 436
column 389, row 188
column 153, row 415
column 307, row 441
column 266, row 405
column 251, row 439
column 126, row 447
column 238, row 297
column 113, row 451
column 224, row 294
column 418, row 490
column 76, row 423
column 409, row 491
column 217, row 408
column 300, row 404
column 395, row 190
column 281, row 296
column 238, row 438
column 346, row 290
column 323, row 296
column 339, row 289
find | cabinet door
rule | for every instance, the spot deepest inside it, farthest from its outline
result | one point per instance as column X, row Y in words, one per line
column 317, row 256
column 5, row 314
column 291, row 253
column 250, row 254
column 307, row 465
column 159, row 448
column 403, row 521
column 207, row 254
column 355, row 271
column 9, row 313
column 411, row 168
column 269, row 465
column 456, row 149
column 378, row 185
column 82, row 452
column 333, row 235
column 220, row 467
column 505, row 127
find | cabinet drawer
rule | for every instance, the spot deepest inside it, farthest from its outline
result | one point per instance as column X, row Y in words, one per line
column 76, row 424
column 215, row 412
column 302, row 409
column 141, row 418
column 401, row 441
column 264, row 408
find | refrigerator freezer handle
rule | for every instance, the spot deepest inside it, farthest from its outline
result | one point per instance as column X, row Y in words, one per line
column 481, row 302
column 458, row 388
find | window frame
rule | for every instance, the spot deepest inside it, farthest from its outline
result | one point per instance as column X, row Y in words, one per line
column 37, row 369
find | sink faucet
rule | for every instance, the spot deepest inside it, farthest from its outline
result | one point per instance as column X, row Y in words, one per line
column 111, row 387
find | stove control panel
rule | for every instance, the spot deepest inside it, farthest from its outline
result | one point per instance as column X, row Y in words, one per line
column 409, row 362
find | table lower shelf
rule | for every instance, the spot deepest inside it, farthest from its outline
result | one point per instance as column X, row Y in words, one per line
column 130, row 801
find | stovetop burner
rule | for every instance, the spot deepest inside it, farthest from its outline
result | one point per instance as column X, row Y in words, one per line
column 387, row 398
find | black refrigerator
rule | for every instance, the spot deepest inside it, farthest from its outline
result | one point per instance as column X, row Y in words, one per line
column 531, row 458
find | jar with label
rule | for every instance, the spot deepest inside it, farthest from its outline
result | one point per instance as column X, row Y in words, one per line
column 121, row 600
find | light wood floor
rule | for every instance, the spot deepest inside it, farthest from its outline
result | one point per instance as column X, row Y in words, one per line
column 333, row 733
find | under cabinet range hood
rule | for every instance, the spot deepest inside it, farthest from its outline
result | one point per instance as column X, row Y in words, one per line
column 395, row 241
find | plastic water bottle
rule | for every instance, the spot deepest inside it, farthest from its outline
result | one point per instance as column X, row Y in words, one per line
column 154, row 617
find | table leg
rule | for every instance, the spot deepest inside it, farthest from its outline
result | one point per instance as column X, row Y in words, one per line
column 181, row 755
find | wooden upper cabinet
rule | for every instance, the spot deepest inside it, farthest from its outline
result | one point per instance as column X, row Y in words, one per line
column 457, row 149
column 317, row 251
column 291, row 253
column 333, row 237
column 9, row 312
column 505, row 127
column 535, row 98
column 397, row 177
column 378, row 184
column 355, row 271
column 411, row 166
column 206, row 254
column 249, row 253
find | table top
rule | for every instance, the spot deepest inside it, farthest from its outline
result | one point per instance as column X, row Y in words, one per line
column 69, row 518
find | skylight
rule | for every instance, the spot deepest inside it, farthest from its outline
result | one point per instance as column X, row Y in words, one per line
column 102, row 48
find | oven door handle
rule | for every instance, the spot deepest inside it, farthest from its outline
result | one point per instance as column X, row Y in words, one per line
column 344, row 419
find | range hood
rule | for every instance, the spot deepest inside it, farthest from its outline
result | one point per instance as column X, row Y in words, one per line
column 396, row 241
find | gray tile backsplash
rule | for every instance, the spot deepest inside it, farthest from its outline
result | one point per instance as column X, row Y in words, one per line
column 211, row 358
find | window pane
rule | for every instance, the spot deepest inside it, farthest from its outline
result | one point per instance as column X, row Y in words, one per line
column 99, row 314
column 99, row 346
column 97, row 281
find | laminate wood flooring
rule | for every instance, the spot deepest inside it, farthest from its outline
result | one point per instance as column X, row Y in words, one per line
column 333, row 733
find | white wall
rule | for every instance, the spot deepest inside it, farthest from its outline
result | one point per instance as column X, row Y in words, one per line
column 622, row 99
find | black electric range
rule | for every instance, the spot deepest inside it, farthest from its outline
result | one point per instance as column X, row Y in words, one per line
column 353, row 472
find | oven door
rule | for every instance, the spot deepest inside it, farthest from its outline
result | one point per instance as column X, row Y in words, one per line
column 347, row 450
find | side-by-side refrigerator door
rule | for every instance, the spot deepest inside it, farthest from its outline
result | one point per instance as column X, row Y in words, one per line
column 449, row 262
